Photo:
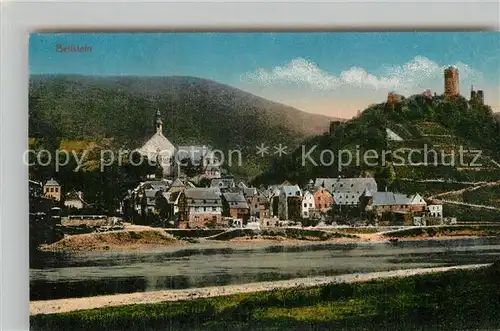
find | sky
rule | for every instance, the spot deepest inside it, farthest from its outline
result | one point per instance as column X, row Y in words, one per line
column 331, row 73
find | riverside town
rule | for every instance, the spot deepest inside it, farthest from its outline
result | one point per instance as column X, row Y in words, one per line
column 310, row 181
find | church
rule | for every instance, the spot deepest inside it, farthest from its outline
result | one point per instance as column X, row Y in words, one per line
column 171, row 158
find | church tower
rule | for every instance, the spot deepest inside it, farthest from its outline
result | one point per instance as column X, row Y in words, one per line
column 158, row 122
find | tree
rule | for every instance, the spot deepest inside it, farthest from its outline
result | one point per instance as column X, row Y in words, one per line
column 190, row 169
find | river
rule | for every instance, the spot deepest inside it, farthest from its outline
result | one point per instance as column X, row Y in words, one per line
column 64, row 275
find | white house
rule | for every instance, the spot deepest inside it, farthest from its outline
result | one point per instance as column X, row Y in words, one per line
column 74, row 199
column 307, row 204
column 346, row 191
column 435, row 211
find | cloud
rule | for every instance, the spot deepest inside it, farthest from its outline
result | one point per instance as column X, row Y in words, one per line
column 419, row 73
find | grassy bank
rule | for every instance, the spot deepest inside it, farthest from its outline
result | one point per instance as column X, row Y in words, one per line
column 449, row 231
column 454, row 300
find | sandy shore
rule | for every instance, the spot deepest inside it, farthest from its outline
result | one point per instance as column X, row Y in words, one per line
column 137, row 238
column 73, row 304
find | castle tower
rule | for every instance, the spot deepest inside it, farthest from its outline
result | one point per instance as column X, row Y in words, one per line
column 480, row 97
column 473, row 94
column 158, row 122
column 476, row 97
column 451, row 87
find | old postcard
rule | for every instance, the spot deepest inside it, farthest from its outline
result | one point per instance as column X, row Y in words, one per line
column 264, row 181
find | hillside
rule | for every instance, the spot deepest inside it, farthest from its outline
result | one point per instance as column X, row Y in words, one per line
column 194, row 110
column 445, row 126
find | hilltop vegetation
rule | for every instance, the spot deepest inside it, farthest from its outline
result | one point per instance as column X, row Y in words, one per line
column 444, row 125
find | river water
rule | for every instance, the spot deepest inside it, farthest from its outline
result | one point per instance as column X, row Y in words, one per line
column 63, row 275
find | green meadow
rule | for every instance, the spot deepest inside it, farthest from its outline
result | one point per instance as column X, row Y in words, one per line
column 454, row 300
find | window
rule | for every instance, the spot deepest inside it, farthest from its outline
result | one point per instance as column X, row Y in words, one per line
column 46, row 189
column 310, row 205
column 204, row 201
column 305, row 204
column 256, row 206
column 57, row 189
column 214, row 218
column 319, row 198
column 51, row 189
column 214, row 209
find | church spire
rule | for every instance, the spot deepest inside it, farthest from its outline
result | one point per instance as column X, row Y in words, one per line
column 158, row 122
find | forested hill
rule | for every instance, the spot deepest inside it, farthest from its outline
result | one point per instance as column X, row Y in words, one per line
column 442, row 124
column 194, row 110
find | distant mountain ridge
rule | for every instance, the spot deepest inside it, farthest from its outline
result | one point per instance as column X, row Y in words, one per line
column 194, row 109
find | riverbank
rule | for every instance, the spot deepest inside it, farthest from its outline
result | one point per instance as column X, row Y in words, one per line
column 133, row 238
column 148, row 239
column 455, row 298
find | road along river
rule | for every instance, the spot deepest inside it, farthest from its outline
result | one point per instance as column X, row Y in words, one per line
column 58, row 276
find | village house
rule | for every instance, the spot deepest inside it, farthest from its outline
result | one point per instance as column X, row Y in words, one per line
column 202, row 157
column 148, row 201
column 251, row 197
column 290, row 203
column 235, row 206
column 212, row 171
column 177, row 186
column 434, row 215
column 435, row 210
column 272, row 194
column 172, row 208
column 346, row 191
column 74, row 200
column 224, row 184
column 308, row 204
column 258, row 203
column 269, row 222
column 323, row 200
column 204, row 207
column 397, row 203
column 52, row 190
